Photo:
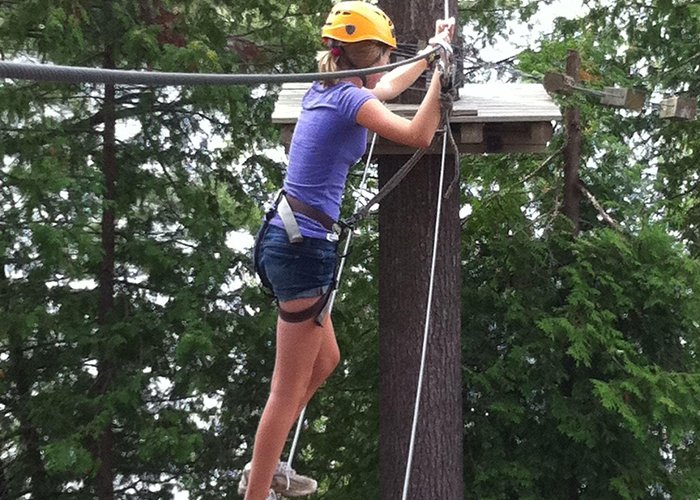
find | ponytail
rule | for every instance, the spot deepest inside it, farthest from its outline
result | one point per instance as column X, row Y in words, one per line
column 346, row 56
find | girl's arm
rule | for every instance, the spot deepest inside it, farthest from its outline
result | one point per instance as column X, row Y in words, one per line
column 417, row 132
column 397, row 80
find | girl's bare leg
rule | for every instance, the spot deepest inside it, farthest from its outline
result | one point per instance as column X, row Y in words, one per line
column 306, row 356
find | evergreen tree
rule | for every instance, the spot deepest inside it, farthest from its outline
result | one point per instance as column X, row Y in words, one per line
column 123, row 317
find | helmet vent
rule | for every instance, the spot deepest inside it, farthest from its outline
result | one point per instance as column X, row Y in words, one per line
column 350, row 29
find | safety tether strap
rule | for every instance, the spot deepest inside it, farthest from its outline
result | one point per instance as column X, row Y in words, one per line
column 305, row 314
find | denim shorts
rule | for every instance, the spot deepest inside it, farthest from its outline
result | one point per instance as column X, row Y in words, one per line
column 295, row 270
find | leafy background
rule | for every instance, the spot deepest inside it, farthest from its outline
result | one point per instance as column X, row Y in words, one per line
column 580, row 365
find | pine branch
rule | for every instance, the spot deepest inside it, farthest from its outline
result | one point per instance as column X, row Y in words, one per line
column 599, row 208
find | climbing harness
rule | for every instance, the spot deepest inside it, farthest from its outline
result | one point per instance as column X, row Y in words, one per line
column 285, row 206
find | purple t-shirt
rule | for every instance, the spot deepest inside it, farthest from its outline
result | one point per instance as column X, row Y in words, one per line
column 327, row 141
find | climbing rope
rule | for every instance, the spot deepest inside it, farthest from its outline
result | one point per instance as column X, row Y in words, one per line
column 72, row 74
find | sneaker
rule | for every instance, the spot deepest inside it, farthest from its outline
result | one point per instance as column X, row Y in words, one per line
column 285, row 481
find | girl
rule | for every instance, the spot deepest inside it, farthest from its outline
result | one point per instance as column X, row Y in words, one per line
column 296, row 250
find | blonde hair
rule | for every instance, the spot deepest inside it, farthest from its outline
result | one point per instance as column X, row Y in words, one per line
column 357, row 55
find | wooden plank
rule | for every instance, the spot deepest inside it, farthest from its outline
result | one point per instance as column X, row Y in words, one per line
column 558, row 83
column 478, row 103
column 623, row 98
column 679, row 108
column 541, row 132
column 470, row 137
column 393, row 149
column 470, row 133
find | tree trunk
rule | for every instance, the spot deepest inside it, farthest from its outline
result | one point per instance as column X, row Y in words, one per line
column 572, row 151
column 4, row 487
column 103, row 449
column 407, row 221
column 30, row 448
column 571, row 208
column 407, row 225
column 29, row 436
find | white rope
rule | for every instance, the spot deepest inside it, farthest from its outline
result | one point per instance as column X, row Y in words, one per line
column 426, row 328
column 348, row 238
column 331, row 300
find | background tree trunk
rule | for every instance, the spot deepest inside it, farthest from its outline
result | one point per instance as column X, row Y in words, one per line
column 572, row 209
column 104, row 480
column 407, row 222
column 572, row 151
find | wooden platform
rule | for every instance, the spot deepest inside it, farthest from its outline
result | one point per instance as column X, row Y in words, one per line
column 487, row 118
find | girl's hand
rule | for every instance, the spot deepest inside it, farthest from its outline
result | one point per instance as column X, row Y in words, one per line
column 445, row 29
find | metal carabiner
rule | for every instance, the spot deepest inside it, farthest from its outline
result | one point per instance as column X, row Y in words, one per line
column 446, row 63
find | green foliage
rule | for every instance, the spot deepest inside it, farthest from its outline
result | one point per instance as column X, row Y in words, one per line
column 580, row 355
column 179, row 366
column 579, row 363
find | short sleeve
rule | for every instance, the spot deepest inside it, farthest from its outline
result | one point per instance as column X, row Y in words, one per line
column 351, row 100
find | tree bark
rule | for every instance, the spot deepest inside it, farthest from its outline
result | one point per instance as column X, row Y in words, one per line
column 29, row 438
column 407, row 224
column 103, row 449
column 572, row 209
column 572, row 151
column 4, row 487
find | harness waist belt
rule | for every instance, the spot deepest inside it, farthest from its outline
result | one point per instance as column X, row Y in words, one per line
column 314, row 213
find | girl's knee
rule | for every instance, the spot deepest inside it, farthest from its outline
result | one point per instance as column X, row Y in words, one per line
column 330, row 361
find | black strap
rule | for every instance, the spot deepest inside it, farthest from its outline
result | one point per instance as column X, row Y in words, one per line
column 385, row 189
column 314, row 213
column 313, row 311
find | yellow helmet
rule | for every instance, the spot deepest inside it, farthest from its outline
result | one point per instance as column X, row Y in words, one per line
column 356, row 21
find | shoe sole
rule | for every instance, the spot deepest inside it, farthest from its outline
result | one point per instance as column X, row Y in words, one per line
column 279, row 484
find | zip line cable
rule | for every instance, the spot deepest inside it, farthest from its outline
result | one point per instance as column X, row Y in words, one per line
column 74, row 74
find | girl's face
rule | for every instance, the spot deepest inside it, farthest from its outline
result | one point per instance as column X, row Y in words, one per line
column 373, row 79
